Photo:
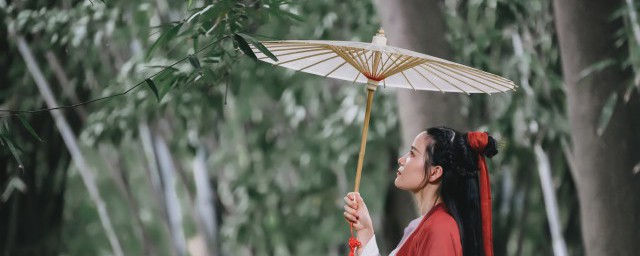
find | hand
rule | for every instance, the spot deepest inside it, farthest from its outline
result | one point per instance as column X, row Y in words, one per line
column 356, row 213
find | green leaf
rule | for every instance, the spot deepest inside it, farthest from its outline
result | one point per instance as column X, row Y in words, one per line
column 211, row 59
column 27, row 126
column 14, row 183
column 244, row 46
column 606, row 113
column 164, row 38
column 259, row 46
column 14, row 150
column 194, row 61
column 596, row 67
column 153, row 87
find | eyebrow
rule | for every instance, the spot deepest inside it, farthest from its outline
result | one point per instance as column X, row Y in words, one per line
column 416, row 149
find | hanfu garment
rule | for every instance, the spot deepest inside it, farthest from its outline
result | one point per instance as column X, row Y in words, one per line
column 435, row 233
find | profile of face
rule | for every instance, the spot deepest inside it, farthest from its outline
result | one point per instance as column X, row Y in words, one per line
column 411, row 173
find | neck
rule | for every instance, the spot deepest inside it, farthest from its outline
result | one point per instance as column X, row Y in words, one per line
column 427, row 198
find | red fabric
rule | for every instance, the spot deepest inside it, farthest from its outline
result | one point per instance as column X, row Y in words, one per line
column 478, row 141
column 436, row 235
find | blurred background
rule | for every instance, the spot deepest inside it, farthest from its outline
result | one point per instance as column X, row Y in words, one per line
column 222, row 155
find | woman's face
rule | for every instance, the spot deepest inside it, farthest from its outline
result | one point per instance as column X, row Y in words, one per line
column 411, row 174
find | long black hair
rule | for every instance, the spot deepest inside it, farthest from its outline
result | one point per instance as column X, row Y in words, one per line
column 459, row 187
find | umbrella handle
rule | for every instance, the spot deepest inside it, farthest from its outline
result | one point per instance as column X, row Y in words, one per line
column 365, row 129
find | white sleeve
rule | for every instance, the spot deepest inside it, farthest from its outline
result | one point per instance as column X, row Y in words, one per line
column 371, row 248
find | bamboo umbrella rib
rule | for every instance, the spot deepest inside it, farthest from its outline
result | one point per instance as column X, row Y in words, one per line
column 486, row 75
column 305, row 57
column 412, row 62
column 468, row 77
column 366, row 60
column 435, row 74
column 385, row 62
column 288, row 43
column 458, row 79
column 290, row 53
column 332, row 57
column 281, row 46
column 384, row 72
column 427, row 78
column 345, row 57
column 365, row 63
column 356, row 79
column 344, row 62
column 409, row 82
column 284, row 49
column 355, row 60
column 489, row 76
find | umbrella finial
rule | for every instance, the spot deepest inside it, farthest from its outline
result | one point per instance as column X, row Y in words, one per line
column 379, row 38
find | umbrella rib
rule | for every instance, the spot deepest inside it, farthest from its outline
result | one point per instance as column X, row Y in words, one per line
column 356, row 79
column 435, row 74
column 385, row 63
column 289, row 53
column 356, row 59
column 405, row 77
column 370, row 70
column 343, row 56
column 466, row 76
column 428, row 80
column 282, row 46
column 464, row 82
column 487, row 75
column 304, row 57
column 332, row 57
column 385, row 72
column 344, row 62
column 406, row 65
column 282, row 49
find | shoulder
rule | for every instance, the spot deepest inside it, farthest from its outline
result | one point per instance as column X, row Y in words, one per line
column 441, row 222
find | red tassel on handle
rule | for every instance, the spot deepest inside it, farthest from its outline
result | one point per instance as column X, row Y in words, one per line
column 478, row 141
column 353, row 243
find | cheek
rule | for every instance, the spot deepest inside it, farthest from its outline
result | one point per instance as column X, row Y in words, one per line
column 412, row 176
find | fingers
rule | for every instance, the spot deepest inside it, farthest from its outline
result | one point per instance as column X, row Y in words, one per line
column 349, row 200
column 351, row 211
column 350, row 218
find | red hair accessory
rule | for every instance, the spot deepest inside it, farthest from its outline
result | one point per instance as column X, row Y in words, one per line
column 478, row 141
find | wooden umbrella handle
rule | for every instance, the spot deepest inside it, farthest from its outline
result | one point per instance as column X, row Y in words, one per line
column 363, row 143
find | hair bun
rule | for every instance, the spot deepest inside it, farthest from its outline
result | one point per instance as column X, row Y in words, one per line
column 492, row 148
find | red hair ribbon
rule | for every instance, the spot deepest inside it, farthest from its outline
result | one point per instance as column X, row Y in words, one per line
column 478, row 141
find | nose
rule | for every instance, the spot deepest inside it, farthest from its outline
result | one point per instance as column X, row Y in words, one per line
column 401, row 160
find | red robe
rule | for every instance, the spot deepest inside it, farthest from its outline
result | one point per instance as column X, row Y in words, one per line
column 437, row 234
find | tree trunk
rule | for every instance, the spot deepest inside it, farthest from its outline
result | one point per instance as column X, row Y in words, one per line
column 417, row 25
column 607, row 187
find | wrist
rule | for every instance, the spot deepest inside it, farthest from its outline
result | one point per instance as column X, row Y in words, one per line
column 364, row 236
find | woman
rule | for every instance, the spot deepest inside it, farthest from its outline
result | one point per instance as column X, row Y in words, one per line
column 446, row 172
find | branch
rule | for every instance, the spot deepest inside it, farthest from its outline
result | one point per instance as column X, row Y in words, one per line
column 57, row 107
column 87, row 175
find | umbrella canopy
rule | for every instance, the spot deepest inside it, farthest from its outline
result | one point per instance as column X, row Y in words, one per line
column 377, row 62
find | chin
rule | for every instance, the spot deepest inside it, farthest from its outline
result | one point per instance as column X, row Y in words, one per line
column 399, row 185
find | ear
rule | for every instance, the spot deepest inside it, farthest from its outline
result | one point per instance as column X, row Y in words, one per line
column 435, row 173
